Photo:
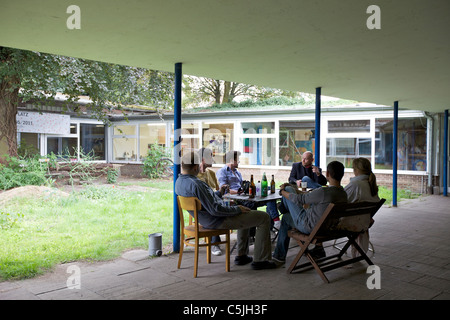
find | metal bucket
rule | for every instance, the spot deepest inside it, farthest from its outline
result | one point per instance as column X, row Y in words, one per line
column 155, row 244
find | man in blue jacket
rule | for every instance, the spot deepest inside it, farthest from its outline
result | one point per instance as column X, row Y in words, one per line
column 305, row 171
column 214, row 214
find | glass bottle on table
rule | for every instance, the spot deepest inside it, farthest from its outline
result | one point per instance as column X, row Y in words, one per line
column 264, row 186
column 226, row 199
column 272, row 185
column 252, row 188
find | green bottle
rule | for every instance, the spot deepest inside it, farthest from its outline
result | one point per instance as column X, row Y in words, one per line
column 264, row 185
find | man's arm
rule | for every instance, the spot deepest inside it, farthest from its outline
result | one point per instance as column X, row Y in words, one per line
column 221, row 177
column 320, row 178
column 212, row 203
column 313, row 197
column 293, row 175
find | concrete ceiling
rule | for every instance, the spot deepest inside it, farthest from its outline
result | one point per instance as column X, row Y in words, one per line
column 287, row 44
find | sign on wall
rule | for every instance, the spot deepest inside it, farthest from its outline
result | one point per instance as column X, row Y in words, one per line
column 35, row 122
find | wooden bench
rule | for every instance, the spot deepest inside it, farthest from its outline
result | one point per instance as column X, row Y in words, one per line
column 335, row 223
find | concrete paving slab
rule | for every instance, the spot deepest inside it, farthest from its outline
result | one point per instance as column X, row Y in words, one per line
column 411, row 249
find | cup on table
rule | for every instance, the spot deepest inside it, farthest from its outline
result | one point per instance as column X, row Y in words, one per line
column 304, row 185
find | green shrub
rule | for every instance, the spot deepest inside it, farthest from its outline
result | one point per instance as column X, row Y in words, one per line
column 22, row 171
column 155, row 153
column 83, row 168
column 111, row 175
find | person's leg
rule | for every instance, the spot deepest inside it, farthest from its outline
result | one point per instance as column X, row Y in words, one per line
column 293, row 219
column 215, row 249
column 297, row 213
column 271, row 209
column 298, row 221
column 242, row 223
column 283, row 240
column 311, row 183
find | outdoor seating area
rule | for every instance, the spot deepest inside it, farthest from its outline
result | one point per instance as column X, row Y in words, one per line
column 326, row 231
column 335, row 113
column 398, row 235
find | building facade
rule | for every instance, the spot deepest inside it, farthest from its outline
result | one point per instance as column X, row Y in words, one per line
column 269, row 140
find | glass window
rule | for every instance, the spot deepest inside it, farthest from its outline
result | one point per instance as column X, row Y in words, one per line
column 342, row 126
column 347, row 149
column 189, row 128
column 92, row 140
column 125, row 130
column 258, row 151
column 125, row 143
column 296, row 137
column 219, row 138
column 255, row 150
column 124, row 149
column 62, row 147
column 29, row 144
column 258, row 127
column 73, row 128
column 150, row 134
column 412, row 144
column 189, row 137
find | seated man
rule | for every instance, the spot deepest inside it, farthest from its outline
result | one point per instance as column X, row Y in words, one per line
column 305, row 171
column 214, row 214
column 209, row 176
column 230, row 175
column 315, row 202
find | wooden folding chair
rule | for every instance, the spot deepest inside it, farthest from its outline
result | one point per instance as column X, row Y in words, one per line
column 193, row 232
column 324, row 231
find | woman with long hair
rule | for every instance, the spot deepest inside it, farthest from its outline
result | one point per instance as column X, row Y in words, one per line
column 362, row 187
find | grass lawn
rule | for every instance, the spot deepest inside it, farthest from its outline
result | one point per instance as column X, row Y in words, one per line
column 97, row 223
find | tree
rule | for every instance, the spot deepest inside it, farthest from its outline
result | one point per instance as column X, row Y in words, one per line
column 200, row 90
column 38, row 77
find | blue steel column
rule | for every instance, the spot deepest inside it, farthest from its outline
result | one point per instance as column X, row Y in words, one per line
column 317, row 133
column 445, row 175
column 394, row 156
column 176, row 155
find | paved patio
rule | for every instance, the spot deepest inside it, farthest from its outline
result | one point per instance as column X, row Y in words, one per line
column 411, row 249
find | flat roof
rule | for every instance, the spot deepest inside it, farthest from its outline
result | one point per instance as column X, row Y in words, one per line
column 292, row 44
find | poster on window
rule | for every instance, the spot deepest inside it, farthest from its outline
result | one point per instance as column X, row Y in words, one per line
column 35, row 122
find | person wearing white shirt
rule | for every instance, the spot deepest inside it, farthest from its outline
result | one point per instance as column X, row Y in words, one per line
column 362, row 187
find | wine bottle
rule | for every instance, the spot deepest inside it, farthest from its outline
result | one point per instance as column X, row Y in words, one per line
column 272, row 185
column 252, row 189
column 264, row 186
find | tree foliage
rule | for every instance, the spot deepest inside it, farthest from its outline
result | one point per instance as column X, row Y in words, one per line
column 39, row 77
column 198, row 90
